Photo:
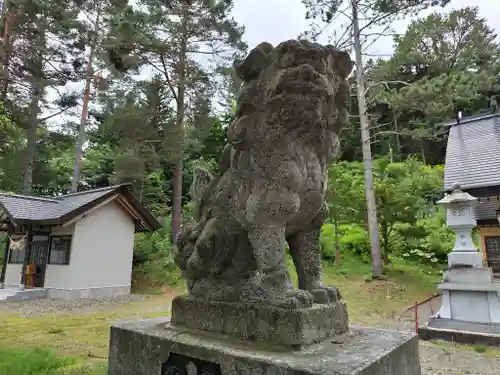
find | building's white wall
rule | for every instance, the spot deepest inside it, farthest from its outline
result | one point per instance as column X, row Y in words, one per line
column 101, row 252
column 13, row 274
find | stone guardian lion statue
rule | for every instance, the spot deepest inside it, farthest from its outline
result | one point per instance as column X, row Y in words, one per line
column 271, row 192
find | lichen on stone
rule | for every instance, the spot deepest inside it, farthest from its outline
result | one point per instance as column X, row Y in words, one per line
column 271, row 192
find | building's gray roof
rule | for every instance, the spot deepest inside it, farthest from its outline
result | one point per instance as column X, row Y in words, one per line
column 23, row 208
column 473, row 153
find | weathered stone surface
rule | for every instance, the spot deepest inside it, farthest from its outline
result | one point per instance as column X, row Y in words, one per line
column 142, row 348
column 291, row 106
column 259, row 322
column 461, row 331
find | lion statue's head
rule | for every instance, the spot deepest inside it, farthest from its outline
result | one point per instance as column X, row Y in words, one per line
column 297, row 88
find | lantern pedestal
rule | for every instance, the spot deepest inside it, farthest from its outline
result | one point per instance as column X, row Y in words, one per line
column 470, row 309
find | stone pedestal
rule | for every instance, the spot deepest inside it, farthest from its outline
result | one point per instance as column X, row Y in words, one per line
column 155, row 347
column 470, row 294
column 293, row 328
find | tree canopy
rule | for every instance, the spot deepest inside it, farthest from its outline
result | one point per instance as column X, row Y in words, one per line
column 160, row 93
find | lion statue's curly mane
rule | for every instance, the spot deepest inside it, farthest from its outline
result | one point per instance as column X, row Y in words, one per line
column 290, row 108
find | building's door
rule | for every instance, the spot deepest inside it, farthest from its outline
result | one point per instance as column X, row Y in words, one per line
column 39, row 257
column 493, row 253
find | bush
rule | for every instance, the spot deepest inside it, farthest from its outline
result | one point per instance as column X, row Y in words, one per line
column 154, row 258
column 153, row 246
column 428, row 241
column 356, row 240
column 353, row 239
column 327, row 242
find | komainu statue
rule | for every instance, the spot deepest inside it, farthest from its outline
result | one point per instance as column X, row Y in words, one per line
column 271, row 192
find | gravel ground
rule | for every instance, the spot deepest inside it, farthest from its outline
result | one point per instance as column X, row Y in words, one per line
column 447, row 358
column 45, row 306
column 436, row 359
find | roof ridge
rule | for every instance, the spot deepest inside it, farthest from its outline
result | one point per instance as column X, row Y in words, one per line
column 485, row 115
column 111, row 187
column 31, row 197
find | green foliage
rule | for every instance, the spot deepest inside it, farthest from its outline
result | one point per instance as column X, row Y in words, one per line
column 137, row 128
column 154, row 257
column 408, row 223
column 350, row 264
column 353, row 240
column 428, row 241
column 404, row 193
column 12, row 149
column 41, row 362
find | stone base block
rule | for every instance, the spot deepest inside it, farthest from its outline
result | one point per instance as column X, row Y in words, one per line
column 472, row 275
column 465, row 258
column 257, row 322
column 100, row 292
column 470, row 302
column 154, row 347
column 461, row 332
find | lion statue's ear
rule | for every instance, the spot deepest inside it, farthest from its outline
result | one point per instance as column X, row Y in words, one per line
column 259, row 58
column 340, row 62
column 201, row 179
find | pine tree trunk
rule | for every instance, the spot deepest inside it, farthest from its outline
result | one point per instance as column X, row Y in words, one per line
column 398, row 139
column 338, row 255
column 385, row 241
column 6, row 49
column 81, row 132
column 34, row 107
column 86, row 99
column 422, row 151
column 178, row 155
column 366, row 148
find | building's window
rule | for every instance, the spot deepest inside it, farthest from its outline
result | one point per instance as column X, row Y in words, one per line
column 493, row 252
column 60, row 249
column 17, row 250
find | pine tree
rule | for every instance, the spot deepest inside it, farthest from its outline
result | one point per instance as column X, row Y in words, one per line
column 180, row 40
column 103, row 21
column 41, row 51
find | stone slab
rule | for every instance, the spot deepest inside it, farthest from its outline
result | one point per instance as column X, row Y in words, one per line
column 490, row 287
column 469, row 275
column 461, row 332
column 471, row 258
column 144, row 347
column 259, row 322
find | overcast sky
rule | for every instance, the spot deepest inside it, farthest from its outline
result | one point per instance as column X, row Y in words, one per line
column 274, row 21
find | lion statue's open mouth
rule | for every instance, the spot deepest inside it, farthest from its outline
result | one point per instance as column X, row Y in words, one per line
column 291, row 106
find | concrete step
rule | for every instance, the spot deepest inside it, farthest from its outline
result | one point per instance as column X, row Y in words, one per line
column 12, row 295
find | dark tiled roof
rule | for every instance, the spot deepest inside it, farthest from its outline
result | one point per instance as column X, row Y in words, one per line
column 70, row 202
column 26, row 207
column 37, row 209
column 473, row 153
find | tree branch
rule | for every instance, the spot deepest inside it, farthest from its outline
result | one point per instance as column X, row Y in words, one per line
column 386, row 84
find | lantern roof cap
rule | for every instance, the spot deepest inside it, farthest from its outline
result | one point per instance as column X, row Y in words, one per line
column 457, row 196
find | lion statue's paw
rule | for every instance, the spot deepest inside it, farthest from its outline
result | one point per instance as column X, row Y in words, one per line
column 297, row 299
column 326, row 294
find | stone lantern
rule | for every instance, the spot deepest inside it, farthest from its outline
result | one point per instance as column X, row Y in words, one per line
column 468, row 291
column 460, row 218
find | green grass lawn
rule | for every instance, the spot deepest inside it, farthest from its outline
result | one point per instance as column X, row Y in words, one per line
column 78, row 344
